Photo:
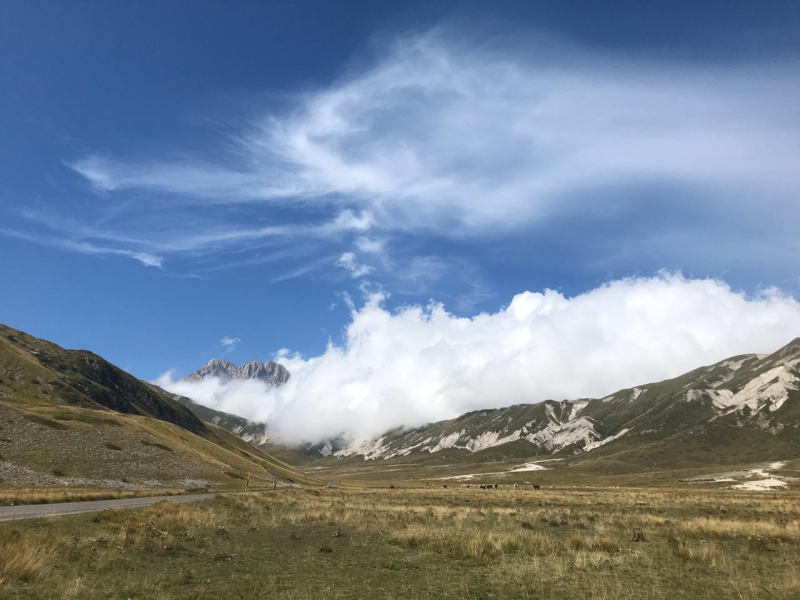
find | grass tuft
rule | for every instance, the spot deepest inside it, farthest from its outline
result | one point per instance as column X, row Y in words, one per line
column 24, row 557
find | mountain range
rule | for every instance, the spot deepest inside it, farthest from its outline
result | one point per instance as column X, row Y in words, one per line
column 724, row 412
column 743, row 408
column 71, row 417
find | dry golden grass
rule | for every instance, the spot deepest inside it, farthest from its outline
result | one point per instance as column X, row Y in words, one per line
column 468, row 543
column 456, row 543
column 105, row 445
column 24, row 557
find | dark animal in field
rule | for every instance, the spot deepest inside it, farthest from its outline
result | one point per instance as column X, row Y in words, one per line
column 496, row 486
column 391, row 487
column 483, row 487
column 536, row 486
column 445, row 486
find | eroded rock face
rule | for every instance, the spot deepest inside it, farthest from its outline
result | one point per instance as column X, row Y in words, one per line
column 268, row 372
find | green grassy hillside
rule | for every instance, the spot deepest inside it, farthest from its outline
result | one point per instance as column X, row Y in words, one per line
column 68, row 417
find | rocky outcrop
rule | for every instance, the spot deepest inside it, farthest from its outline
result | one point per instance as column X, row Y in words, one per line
column 269, row 372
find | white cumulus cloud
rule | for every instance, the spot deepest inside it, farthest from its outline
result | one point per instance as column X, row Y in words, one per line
column 420, row 363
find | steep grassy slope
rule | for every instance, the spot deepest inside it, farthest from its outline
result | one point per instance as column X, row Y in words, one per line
column 70, row 417
column 227, row 421
column 35, row 371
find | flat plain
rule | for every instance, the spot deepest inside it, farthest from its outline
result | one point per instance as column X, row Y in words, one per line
column 418, row 542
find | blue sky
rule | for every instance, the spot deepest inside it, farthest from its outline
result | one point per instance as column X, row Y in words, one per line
column 172, row 176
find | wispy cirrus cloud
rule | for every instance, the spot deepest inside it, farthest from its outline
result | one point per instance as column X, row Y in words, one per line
column 150, row 249
column 146, row 258
column 443, row 135
column 457, row 137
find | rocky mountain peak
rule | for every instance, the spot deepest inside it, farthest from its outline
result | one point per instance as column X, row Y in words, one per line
column 269, row 372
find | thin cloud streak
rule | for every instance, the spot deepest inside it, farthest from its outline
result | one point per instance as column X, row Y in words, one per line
column 146, row 258
column 80, row 237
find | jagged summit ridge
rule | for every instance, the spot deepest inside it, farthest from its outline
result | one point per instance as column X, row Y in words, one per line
column 269, row 372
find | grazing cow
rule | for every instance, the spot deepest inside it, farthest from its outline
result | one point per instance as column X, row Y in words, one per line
column 536, row 486
column 391, row 487
column 496, row 486
column 515, row 486
column 444, row 486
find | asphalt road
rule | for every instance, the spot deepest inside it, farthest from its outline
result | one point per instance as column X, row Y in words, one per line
column 32, row 511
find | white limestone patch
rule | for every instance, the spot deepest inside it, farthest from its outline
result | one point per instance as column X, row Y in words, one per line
column 761, row 485
column 577, row 407
column 558, row 435
column 767, row 481
column 757, row 479
column 732, row 366
column 470, row 476
column 402, row 451
column 531, row 466
column 447, row 442
column 720, row 399
column 769, row 390
column 735, row 365
column 369, row 449
column 604, row 441
column 256, row 439
column 528, row 466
